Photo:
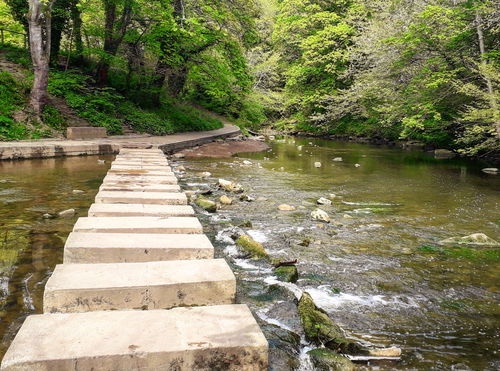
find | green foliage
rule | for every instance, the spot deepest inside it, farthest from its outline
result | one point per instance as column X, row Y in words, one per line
column 11, row 98
column 460, row 252
column 53, row 118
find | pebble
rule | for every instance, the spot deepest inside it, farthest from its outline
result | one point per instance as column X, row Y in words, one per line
column 224, row 200
column 285, row 207
column 67, row 213
column 357, row 165
column 324, row 201
column 77, row 191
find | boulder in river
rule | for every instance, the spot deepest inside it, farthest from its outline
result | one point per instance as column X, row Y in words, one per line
column 206, row 204
column 287, row 273
column 317, row 164
column 325, row 359
column 246, row 198
column 230, row 186
column 224, row 200
column 247, row 163
column 319, row 328
column 319, row 214
column 180, row 168
column 443, row 153
column 285, row 207
column 490, row 170
column 67, row 213
column 249, row 245
column 475, row 239
column 324, row 201
column 205, row 174
column 338, row 159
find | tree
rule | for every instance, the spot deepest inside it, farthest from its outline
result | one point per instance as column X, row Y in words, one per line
column 39, row 21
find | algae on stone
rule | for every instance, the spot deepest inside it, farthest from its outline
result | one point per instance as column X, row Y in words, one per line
column 325, row 359
column 207, row 205
column 287, row 273
column 252, row 247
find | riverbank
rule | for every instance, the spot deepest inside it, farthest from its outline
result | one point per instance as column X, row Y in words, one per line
column 110, row 145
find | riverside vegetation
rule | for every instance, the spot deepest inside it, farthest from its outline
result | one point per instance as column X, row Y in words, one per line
column 425, row 70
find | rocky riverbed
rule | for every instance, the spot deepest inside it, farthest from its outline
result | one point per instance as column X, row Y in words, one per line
column 360, row 232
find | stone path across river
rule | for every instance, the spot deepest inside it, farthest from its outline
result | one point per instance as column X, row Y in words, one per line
column 139, row 288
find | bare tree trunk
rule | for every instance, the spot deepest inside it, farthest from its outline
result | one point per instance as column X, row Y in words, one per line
column 40, row 34
column 489, row 84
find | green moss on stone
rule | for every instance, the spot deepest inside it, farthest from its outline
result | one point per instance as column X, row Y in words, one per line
column 287, row 273
column 207, row 205
column 327, row 360
column 252, row 247
column 318, row 326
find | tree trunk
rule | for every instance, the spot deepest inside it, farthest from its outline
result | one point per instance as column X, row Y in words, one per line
column 176, row 79
column 76, row 17
column 40, row 39
column 489, row 84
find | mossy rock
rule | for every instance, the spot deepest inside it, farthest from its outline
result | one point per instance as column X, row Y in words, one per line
column 252, row 247
column 207, row 205
column 287, row 273
column 327, row 360
column 319, row 328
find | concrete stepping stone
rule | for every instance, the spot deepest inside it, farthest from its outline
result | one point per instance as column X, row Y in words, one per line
column 87, row 248
column 140, row 210
column 143, row 162
column 150, row 285
column 130, row 197
column 117, row 178
column 141, row 167
column 140, row 172
column 140, row 188
column 139, row 224
column 202, row 338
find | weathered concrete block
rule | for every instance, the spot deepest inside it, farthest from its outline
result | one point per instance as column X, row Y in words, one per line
column 158, row 198
column 140, row 210
column 141, row 167
column 140, row 162
column 151, row 285
column 139, row 224
column 75, row 133
column 140, row 172
column 223, row 337
column 119, row 179
column 140, row 150
column 140, row 187
column 88, row 248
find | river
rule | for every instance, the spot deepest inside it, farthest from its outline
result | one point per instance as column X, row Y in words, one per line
column 376, row 269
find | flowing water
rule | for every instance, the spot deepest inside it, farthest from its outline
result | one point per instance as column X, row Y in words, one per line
column 375, row 269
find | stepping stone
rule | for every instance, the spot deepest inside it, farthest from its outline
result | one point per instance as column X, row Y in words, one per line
column 141, row 167
column 201, row 338
column 139, row 172
column 117, row 178
column 136, row 163
column 157, row 198
column 140, row 188
column 139, row 224
column 151, row 285
column 140, row 210
column 86, row 248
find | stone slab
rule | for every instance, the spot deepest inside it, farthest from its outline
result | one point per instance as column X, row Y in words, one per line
column 141, row 167
column 140, row 162
column 89, row 132
column 223, row 337
column 140, row 172
column 157, row 198
column 150, row 285
column 139, row 210
column 140, row 188
column 119, row 179
column 139, row 224
column 86, row 248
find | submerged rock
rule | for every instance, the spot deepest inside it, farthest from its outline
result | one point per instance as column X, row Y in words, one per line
column 317, row 164
column 252, row 247
column 230, row 186
column 325, row 359
column 324, row 201
column 205, row 204
column 48, row 216
column 78, row 191
column 287, row 273
column 285, row 207
column 205, row 174
column 490, row 170
column 357, row 165
column 478, row 239
column 246, row 198
column 338, row 159
column 319, row 214
column 319, row 328
column 247, row 163
column 224, row 200
column 67, row 213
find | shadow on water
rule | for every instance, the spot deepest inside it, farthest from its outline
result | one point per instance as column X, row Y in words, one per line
column 30, row 244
